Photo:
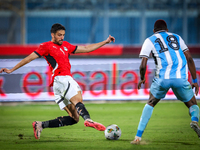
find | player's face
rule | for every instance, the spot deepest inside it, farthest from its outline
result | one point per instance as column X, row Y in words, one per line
column 58, row 37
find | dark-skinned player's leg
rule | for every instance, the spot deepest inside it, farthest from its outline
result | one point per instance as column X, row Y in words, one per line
column 144, row 119
column 194, row 113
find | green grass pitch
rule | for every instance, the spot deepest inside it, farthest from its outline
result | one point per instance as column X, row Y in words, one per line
column 167, row 129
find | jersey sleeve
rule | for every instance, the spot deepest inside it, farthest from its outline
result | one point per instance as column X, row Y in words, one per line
column 42, row 50
column 146, row 48
column 183, row 46
column 71, row 48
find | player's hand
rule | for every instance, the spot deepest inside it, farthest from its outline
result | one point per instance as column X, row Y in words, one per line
column 110, row 39
column 196, row 86
column 141, row 82
column 5, row 70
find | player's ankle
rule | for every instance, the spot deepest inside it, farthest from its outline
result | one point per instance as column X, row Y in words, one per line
column 88, row 119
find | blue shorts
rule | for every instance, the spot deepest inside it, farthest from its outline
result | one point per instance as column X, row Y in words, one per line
column 181, row 88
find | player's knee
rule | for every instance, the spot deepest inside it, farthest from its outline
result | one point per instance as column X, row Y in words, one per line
column 76, row 118
column 76, row 100
column 152, row 103
column 193, row 101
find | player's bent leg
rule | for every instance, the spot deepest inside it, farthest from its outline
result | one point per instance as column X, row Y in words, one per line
column 59, row 122
column 79, row 106
column 146, row 115
column 37, row 128
column 194, row 113
column 152, row 100
column 71, row 110
column 191, row 102
column 82, row 111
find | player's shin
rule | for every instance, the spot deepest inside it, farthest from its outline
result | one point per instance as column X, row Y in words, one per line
column 82, row 111
column 59, row 122
column 146, row 115
column 194, row 113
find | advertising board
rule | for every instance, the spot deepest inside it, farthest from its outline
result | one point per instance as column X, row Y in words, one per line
column 100, row 79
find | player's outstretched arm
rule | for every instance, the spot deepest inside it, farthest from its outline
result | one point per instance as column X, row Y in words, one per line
column 24, row 61
column 192, row 68
column 92, row 47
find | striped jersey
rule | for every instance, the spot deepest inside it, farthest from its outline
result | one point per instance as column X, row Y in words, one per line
column 167, row 49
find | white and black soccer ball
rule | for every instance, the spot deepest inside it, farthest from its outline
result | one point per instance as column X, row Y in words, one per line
column 112, row 132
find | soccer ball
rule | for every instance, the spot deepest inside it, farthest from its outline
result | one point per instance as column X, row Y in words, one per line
column 112, row 132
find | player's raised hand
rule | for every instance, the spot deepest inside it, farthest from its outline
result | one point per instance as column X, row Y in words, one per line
column 110, row 39
column 5, row 70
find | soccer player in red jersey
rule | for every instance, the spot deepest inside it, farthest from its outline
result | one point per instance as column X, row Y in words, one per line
column 68, row 94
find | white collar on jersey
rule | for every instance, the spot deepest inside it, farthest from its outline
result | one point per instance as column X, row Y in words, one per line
column 160, row 31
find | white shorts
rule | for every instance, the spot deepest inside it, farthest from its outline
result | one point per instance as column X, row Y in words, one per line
column 64, row 87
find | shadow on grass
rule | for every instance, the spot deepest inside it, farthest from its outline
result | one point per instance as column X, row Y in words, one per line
column 176, row 142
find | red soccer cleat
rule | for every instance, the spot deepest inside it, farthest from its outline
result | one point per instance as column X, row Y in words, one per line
column 96, row 125
column 37, row 129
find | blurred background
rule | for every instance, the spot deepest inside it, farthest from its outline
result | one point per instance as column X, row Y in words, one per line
column 27, row 23
column 89, row 21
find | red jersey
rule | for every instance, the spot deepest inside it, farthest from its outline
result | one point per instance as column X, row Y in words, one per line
column 57, row 56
